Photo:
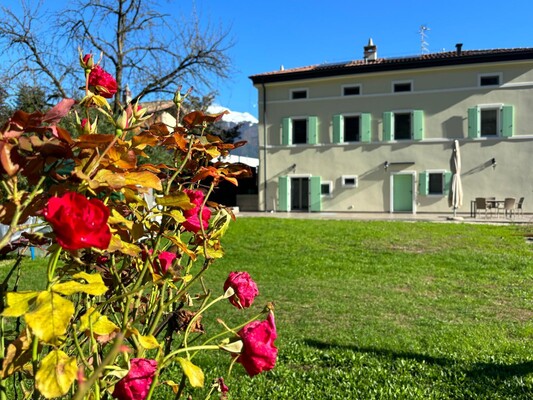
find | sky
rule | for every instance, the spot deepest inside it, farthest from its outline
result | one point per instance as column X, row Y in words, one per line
column 294, row 33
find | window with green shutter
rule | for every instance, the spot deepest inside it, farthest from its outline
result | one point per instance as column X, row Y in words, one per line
column 388, row 121
column 312, row 130
column 338, row 136
column 434, row 183
column 366, row 128
column 284, row 192
column 286, row 132
column 315, row 195
column 507, row 119
column 423, row 183
column 473, row 122
column 418, row 124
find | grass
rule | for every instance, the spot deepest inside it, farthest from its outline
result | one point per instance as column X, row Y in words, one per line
column 382, row 310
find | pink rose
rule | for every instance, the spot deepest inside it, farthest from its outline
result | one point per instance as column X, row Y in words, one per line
column 244, row 287
column 259, row 352
column 164, row 261
column 136, row 384
column 102, row 82
column 193, row 224
column 78, row 222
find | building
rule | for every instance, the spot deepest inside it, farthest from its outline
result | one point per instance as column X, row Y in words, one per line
column 376, row 134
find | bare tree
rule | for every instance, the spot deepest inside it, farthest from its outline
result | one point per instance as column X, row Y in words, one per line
column 151, row 52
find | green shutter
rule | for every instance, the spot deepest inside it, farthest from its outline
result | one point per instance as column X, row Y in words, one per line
column 507, row 121
column 338, row 132
column 388, row 118
column 418, row 124
column 286, row 132
column 423, row 183
column 284, row 191
column 474, row 124
column 315, row 193
column 366, row 128
column 447, row 182
column 312, row 130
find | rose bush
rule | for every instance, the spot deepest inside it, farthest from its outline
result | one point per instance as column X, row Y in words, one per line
column 127, row 244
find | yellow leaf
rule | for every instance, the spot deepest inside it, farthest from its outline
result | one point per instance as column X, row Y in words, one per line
column 220, row 224
column 194, row 373
column 101, row 325
column 213, row 152
column 51, row 316
column 177, row 216
column 117, row 244
column 148, row 342
column 145, row 179
column 179, row 199
column 93, row 285
column 182, row 246
column 17, row 355
column 18, row 303
column 117, row 218
column 56, row 374
column 175, row 386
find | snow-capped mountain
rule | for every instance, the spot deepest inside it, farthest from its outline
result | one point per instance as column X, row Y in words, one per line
column 248, row 130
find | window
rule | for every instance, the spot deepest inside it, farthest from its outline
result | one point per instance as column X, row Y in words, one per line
column 435, row 183
column 352, row 128
column 491, row 120
column 489, row 79
column 326, row 188
column 351, row 90
column 349, row 181
column 298, row 94
column 299, row 130
column 398, row 87
column 403, row 125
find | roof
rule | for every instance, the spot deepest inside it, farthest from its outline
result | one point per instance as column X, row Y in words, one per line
column 448, row 58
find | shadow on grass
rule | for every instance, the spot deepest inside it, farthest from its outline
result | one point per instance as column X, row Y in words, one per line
column 483, row 376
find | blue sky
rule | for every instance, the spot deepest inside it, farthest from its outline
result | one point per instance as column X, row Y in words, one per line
column 295, row 33
column 292, row 33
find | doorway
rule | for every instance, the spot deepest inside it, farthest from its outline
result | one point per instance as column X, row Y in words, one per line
column 402, row 192
column 300, row 194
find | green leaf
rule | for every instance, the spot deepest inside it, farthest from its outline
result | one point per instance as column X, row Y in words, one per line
column 93, row 285
column 220, row 224
column 101, row 325
column 56, row 374
column 18, row 303
column 51, row 316
column 193, row 373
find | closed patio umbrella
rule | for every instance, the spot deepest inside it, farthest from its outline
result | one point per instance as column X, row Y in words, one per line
column 455, row 199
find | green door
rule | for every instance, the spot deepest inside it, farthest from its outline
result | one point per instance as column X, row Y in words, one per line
column 402, row 193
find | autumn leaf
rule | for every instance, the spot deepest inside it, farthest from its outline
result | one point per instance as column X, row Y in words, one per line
column 193, row 372
column 56, row 374
column 51, row 316
column 91, row 284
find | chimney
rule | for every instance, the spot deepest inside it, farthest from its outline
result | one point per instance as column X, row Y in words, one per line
column 371, row 51
column 458, row 48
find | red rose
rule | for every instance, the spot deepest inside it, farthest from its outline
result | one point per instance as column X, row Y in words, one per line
column 136, row 384
column 164, row 261
column 78, row 222
column 244, row 287
column 102, row 82
column 258, row 352
column 193, row 224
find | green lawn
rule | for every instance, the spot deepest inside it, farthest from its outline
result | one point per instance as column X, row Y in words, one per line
column 382, row 310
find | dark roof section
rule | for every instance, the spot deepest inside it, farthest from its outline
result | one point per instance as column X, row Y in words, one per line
column 393, row 64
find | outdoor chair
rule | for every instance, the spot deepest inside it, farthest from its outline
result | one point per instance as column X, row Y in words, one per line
column 509, row 206
column 492, row 204
column 481, row 204
column 519, row 207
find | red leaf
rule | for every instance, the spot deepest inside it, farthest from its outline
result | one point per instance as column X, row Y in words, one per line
column 59, row 111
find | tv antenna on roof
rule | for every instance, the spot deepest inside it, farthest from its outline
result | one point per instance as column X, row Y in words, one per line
column 423, row 36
